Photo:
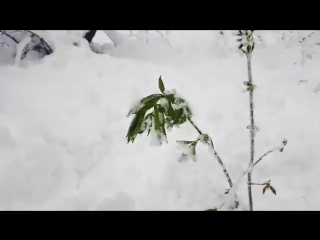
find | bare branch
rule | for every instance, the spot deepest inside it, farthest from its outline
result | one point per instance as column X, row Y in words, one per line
column 195, row 126
column 215, row 154
column 217, row 157
column 9, row 36
column 303, row 39
column 267, row 153
column 48, row 49
column 258, row 184
column 284, row 143
column 221, row 164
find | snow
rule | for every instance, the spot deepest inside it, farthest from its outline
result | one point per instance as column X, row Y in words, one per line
column 20, row 47
column 63, row 123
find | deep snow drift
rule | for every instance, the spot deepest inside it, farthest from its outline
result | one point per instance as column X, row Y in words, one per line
column 63, row 125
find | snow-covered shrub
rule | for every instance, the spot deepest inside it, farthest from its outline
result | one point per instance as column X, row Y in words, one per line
column 158, row 112
column 25, row 43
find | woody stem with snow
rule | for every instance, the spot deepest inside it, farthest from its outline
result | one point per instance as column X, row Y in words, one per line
column 252, row 129
column 251, row 166
column 48, row 49
column 215, row 154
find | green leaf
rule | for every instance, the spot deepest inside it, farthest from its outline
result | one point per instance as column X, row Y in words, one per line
column 157, row 122
column 176, row 117
column 162, row 122
column 131, row 128
column 151, row 97
column 161, row 85
column 135, row 125
column 146, row 103
column 147, row 123
column 273, row 190
column 170, row 97
column 156, row 117
column 264, row 189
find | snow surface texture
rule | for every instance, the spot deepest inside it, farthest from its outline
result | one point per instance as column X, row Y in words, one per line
column 63, row 124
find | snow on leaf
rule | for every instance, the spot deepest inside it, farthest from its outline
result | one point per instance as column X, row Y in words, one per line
column 147, row 123
column 164, row 103
column 147, row 103
column 162, row 122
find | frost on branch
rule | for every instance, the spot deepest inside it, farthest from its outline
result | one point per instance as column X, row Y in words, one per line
column 188, row 149
column 204, row 138
column 246, row 41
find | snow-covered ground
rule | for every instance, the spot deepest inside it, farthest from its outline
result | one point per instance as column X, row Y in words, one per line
column 63, row 125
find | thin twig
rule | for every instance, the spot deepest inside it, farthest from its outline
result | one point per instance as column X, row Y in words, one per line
column 267, row 153
column 215, row 154
column 307, row 37
column 258, row 184
column 49, row 50
column 25, row 51
column 195, row 126
column 284, row 143
column 226, row 174
column 9, row 36
column 221, row 164
column 251, row 166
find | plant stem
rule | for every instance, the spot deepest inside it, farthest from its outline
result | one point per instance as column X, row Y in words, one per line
column 284, row 143
column 267, row 153
column 195, row 126
column 258, row 184
column 251, row 167
column 252, row 129
column 215, row 154
column 221, row 164
column 226, row 174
